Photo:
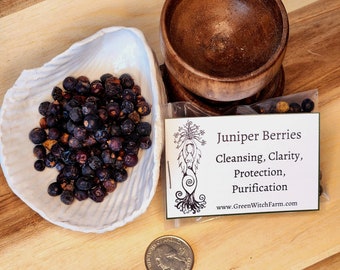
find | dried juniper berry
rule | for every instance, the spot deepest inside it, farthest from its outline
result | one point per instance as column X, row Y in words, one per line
column 54, row 189
column 74, row 143
column 135, row 117
column 86, row 170
column 89, row 108
column 143, row 128
column 112, row 88
column 145, row 142
column 109, row 185
column 54, row 133
column 76, row 114
column 129, row 95
column 130, row 160
column 101, row 136
column 43, row 108
column 120, row 175
column 69, row 83
column 57, row 150
column 37, row 135
column 127, row 126
column 97, row 194
column 81, row 195
column 294, row 107
column 105, row 76
column 127, row 107
column 83, row 85
column 57, row 93
column 307, row 105
column 108, row 156
column 103, row 173
column 72, row 103
column 113, row 109
column 81, row 156
column 39, row 151
column 115, row 130
column 126, row 80
column 103, row 114
column 115, row 144
column 67, row 197
column 71, row 171
column 52, row 121
column 39, row 165
column 94, row 162
column 97, row 88
column 143, row 108
column 80, row 133
column 84, row 183
column 50, row 160
column 54, row 108
column 68, row 157
column 92, row 122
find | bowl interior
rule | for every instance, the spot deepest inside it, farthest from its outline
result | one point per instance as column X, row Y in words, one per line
column 224, row 38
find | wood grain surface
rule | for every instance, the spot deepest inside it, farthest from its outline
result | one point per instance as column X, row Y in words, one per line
column 33, row 32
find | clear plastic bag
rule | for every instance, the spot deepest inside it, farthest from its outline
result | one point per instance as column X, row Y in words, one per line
column 293, row 103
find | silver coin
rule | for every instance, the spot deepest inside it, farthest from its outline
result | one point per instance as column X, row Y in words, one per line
column 169, row 253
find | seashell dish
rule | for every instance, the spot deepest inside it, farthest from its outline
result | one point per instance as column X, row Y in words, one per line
column 115, row 50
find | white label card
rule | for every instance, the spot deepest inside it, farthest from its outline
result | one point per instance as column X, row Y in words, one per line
column 242, row 164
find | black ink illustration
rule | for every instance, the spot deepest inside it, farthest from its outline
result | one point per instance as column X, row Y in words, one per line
column 188, row 139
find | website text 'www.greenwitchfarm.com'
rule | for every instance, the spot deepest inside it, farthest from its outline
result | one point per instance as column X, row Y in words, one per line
column 256, row 205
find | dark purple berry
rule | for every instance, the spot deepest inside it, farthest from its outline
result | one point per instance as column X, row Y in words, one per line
column 97, row 88
column 54, row 189
column 67, row 197
column 95, row 162
column 105, row 76
column 92, row 122
column 81, row 195
column 69, row 84
column 86, row 170
column 127, row 126
column 115, row 144
column 54, row 133
column 76, row 114
column 143, row 108
column 43, row 108
column 89, row 108
column 130, row 160
column 126, row 81
column 80, row 133
column 97, row 194
column 74, row 143
column 71, row 171
column 39, row 165
column 110, row 185
column 120, row 175
column 50, row 160
column 84, row 183
column 37, row 135
column 39, row 151
column 113, row 109
column 108, row 157
column 81, row 156
column 294, row 107
column 145, row 142
column 57, row 93
column 103, row 174
column 307, row 105
column 143, row 128
column 83, row 85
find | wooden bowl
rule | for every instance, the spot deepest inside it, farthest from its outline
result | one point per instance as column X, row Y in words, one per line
column 224, row 50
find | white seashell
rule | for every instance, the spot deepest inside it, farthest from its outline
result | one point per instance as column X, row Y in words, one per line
column 115, row 50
